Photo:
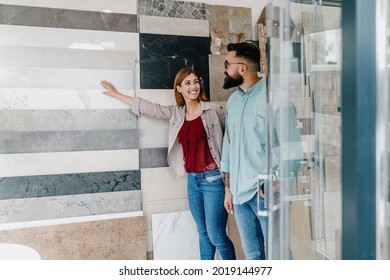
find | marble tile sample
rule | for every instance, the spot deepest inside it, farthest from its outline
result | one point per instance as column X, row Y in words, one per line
column 173, row 26
column 333, row 173
column 66, row 120
column 175, row 237
column 153, row 133
column 114, row 6
column 68, row 184
column 228, row 25
column 108, row 239
column 162, row 56
column 56, row 207
column 64, row 141
column 157, row 207
column 63, row 18
column 59, row 99
column 217, row 76
column 153, row 157
column 14, row 165
column 63, row 78
column 162, row 184
column 171, row 8
column 27, row 36
column 66, row 58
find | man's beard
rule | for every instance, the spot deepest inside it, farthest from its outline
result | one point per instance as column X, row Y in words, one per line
column 232, row 81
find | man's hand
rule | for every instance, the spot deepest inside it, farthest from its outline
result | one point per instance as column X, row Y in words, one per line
column 228, row 203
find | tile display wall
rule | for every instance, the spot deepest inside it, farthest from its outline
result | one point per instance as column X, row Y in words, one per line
column 67, row 150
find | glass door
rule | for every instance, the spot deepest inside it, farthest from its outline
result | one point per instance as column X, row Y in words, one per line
column 303, row 175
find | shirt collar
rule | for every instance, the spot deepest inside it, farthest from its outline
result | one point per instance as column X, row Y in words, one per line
column 253, row 89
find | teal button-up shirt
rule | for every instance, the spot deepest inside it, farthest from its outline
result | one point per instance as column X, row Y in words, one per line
column 244, row 150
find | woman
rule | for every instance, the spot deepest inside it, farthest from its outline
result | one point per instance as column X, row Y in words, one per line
column 195, row 142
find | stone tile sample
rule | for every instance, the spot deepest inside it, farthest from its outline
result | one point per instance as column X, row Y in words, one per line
column 66, row 120
column 175, row 237
column 170, row 8
column 66, row 58
column 14, row 165
column 234, row 236
column 31, row 36
column 173, row 26
column 161, row 56
column 217, row 76
column 68, row 184
column 301, row 232
column 153, row 157
column 333, row 173
column 63, row 141
column 110, row 239
column 56, row 207
column 64, row 78
column 62, row 18
column 332, row 220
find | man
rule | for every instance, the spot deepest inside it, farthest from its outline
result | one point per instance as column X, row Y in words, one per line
column 244, row 152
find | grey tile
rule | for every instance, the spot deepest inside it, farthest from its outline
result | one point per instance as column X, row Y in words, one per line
column 65, row 120
column 153, row 157
column 170, row 8
column 62, row 18
column 68, row 184
column 64, row 141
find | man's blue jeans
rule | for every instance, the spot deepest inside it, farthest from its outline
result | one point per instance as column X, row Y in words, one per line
column 206, row 192
column 252, row 228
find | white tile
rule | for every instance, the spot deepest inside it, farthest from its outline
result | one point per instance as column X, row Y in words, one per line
column 332, row 216
column 59, row 99
column 162, row 206
column 161, row 184
column 13, row 35
column 153, row 133
column 23, row 77
column 55, row 207
column 175, row 237
column 115, row 6
column 13, row 56
column 12, row 165
column 308, row 143
column 173, row 26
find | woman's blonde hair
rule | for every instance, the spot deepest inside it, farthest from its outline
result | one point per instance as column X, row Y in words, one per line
column 180, row 76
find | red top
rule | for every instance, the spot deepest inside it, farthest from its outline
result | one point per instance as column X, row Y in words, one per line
column 193, row 138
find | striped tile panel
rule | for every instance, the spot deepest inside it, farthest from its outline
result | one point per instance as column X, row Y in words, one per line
column 63, row 18
column 55, row 207
column 15, row 165
column 115, row 6
column 26, row 36
column 173, row 26
column 69, row 184
column 60, row 99
column 15, row 77
column 12, row 56
column 64, row 141
column 66, row 120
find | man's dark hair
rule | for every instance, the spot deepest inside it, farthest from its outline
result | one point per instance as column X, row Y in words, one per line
column 247, row 51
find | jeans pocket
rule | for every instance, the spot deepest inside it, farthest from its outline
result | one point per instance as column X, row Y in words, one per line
column 213, row 178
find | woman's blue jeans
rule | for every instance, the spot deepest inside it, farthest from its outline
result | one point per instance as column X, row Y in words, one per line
column 206, row 192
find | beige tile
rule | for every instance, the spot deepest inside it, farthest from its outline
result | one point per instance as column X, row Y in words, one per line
column 332, row 220
column 333, row 173
column 112, row 239
column 162, row 184
column 234, row 235
column 301, row 232
column 217, row 76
